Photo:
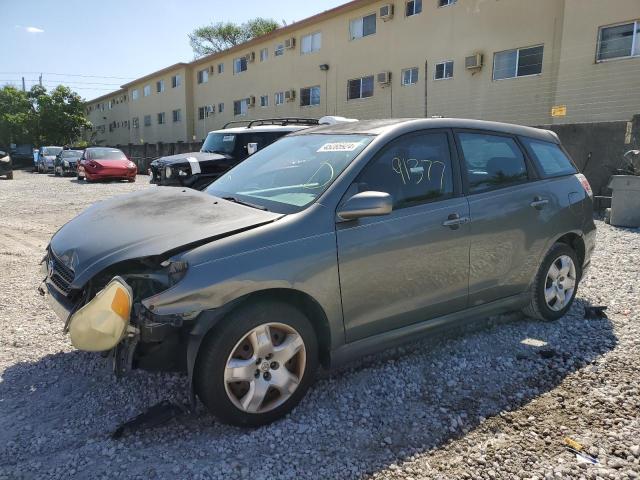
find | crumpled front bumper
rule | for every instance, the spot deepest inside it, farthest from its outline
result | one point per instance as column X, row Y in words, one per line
column 58, row 302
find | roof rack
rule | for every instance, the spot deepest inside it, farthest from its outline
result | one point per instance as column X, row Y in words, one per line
column 275, row 121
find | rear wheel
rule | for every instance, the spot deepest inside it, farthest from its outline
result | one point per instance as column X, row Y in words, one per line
column 257, row 365
column 555, row 285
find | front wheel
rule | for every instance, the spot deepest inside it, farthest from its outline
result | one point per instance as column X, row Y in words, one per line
column 555, row 285
column 257, row 365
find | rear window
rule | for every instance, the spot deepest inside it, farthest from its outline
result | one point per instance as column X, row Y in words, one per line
column 551, row 160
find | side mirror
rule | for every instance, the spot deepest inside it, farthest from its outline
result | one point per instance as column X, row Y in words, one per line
column 366, row 204
column 252, row 148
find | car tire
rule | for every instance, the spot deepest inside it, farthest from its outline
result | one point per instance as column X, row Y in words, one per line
column 272, row 385
column 10, row 176
column 131, row 180
column 555, row 285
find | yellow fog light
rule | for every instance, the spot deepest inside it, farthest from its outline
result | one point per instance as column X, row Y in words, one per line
column 102, row 323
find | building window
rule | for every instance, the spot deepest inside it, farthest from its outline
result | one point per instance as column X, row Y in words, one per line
column 279, row 98
column 264, row 54
column 444, row 70
column 135, row 121
column 220, row 68
column 619, row 41
column 175, row 81
column 239, row 65
column 414, row 7
column 311, row 43
column 161, row 119
column 160, row 86
column 203, row 76
column 310, row 96
column 146, row 91
column 279, row 50
column 147, row 120
column 520, row 62
column 363, row 27
column 240, row 107
column 177, row 115
column 110, row 104
column 410, row 76
column 202, row 113
column 446, row 3
column 220, row 107
column 360, row 88
column 264, row 100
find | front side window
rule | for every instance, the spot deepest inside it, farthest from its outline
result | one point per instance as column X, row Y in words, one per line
column 444, row 70
column 360, row 88
column 161, row 119
column 239, row 65
column 203, row 76
column 264, row 100
column 414, row 7
column 175, row 81
column 310, row 96
column 146, row 91
column 279, row 98
column 291, row 173
column 134, row 94
column 279, row 50
column 264, row 54
column 412, row 169
column 492, row 161
column 311, row 43
column 240, row 107
column 160, row 86
column 619, row 41
column 177, row 115
column 363, row 26
column 520, row 62
column 410, row 76
column 147, row 120
column 553, row 162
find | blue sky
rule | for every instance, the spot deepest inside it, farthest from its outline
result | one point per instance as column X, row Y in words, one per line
column 91, row 42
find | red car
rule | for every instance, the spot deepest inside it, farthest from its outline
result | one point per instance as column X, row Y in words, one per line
column 102, row 163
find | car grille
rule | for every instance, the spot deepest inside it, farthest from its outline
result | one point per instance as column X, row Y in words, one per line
column 60, row 274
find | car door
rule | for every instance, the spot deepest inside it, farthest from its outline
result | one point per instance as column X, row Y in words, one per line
column 508, row 228
column 413, row 264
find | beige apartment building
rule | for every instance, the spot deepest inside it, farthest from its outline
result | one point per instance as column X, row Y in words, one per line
column 529, row 62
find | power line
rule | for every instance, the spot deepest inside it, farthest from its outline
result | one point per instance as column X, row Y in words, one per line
column 66, row 75
column 60, row 81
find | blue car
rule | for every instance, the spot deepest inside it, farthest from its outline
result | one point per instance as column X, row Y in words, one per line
column 46, row 158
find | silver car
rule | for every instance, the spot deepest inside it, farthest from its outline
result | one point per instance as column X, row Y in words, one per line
column 332, row 243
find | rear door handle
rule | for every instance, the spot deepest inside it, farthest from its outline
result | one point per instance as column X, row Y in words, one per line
column 454, row 221
column 539, row 203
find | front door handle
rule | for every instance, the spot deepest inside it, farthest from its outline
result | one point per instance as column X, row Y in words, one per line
column 454, row 221
column 539, row 203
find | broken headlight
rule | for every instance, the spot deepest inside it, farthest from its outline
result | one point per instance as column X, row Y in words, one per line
column 175, row 270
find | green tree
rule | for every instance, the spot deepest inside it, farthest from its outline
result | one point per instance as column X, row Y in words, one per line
column 18, row 118
column 223, row 35
column 61, row 116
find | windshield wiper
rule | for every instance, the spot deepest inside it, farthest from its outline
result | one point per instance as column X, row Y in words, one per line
column 240, row 202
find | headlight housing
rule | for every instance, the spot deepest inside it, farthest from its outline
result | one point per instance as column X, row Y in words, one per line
column 176, row 271
column 66, row 163
column 167, row 172
column 131, row 165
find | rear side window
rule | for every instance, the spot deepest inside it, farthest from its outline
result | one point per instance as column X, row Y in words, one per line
column 551, row 160
column 492, row 161
column 412, row 169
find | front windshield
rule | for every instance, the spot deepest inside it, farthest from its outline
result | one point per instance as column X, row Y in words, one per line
column 219, row 143
column 105, row 154
column 291, row 173
column 71, row 154
column 51, row 150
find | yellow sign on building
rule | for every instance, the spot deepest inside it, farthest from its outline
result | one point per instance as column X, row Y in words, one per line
column 559, row 111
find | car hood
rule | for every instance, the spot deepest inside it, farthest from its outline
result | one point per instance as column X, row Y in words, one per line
column 185, row 157
column 149, row 223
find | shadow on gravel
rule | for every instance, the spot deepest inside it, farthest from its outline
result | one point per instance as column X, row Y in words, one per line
column 56, row 414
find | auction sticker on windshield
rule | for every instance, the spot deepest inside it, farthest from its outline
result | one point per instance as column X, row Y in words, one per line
column 339, row 147
column 228, row 138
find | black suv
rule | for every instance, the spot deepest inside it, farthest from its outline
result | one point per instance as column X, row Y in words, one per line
column 222, row 150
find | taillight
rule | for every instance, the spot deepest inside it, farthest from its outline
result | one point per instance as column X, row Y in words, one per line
column 585, row 184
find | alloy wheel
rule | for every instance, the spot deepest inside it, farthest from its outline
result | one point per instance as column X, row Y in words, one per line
column 560, row 283
column 265, row 368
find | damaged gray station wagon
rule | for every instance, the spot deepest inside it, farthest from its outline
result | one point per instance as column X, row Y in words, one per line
column 332, row 243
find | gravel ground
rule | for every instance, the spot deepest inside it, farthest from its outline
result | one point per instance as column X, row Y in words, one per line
column 476, row 405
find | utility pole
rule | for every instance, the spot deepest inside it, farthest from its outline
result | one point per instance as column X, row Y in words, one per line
column 40, row 80
column 24, row 89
